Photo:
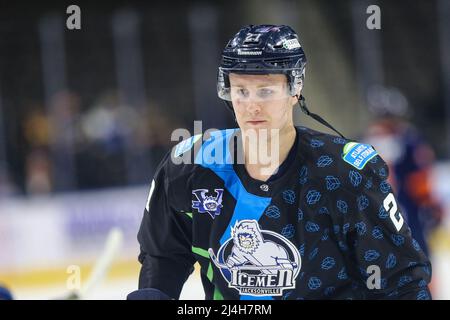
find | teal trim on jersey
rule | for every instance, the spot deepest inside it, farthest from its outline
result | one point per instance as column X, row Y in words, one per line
column 358, row 154
column 209, row 273
column 189, row 214
column 217, row 294
column 201, row 252
column 248, row 206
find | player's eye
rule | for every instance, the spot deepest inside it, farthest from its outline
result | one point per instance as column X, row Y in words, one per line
column 242, row 93
column 265, row 92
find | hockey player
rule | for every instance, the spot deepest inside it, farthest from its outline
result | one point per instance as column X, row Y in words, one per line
column 322, row 223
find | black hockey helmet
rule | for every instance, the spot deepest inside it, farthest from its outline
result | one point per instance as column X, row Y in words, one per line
column 266, row 49
column 263, row 49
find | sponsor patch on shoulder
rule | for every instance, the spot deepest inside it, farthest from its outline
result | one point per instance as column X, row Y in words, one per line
column 358, row 154
column 186, row 145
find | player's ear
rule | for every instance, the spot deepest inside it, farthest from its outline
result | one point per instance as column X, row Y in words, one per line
column 293, row 100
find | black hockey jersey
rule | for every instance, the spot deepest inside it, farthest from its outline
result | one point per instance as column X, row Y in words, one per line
column 327, row 227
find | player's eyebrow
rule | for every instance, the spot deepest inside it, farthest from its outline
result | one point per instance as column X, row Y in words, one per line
column 258, row 83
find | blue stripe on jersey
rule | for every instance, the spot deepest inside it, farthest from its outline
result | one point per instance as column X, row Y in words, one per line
column 248, row 206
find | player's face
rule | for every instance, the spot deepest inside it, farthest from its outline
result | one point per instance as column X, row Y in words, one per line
column 261, row 101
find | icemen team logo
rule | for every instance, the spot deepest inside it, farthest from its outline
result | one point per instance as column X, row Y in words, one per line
column 257, row 262
column 205, row 203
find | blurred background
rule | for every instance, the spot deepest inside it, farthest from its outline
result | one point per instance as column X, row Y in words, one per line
column 86, row 115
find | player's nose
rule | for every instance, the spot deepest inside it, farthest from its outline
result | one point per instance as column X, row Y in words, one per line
column 253, row 107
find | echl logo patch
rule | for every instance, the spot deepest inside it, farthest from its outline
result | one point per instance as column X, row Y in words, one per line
column 205, row 203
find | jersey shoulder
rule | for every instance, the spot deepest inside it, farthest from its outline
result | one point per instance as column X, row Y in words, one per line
column 336, row 156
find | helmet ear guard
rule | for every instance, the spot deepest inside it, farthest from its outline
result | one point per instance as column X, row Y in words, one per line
column 295, row 81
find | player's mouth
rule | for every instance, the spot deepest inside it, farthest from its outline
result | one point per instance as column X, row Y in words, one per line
column 256, row 122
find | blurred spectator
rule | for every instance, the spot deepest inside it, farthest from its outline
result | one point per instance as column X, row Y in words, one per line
column 98, row 140
column 101, row 143
column 37, row 128
column 103, row 123
column 37, row 133
column 410, row 159
column 38, row 172
column 110, row 131
column 159, row 130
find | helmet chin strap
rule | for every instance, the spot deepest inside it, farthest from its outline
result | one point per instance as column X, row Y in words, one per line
column 303, row 107
column 305, row 110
